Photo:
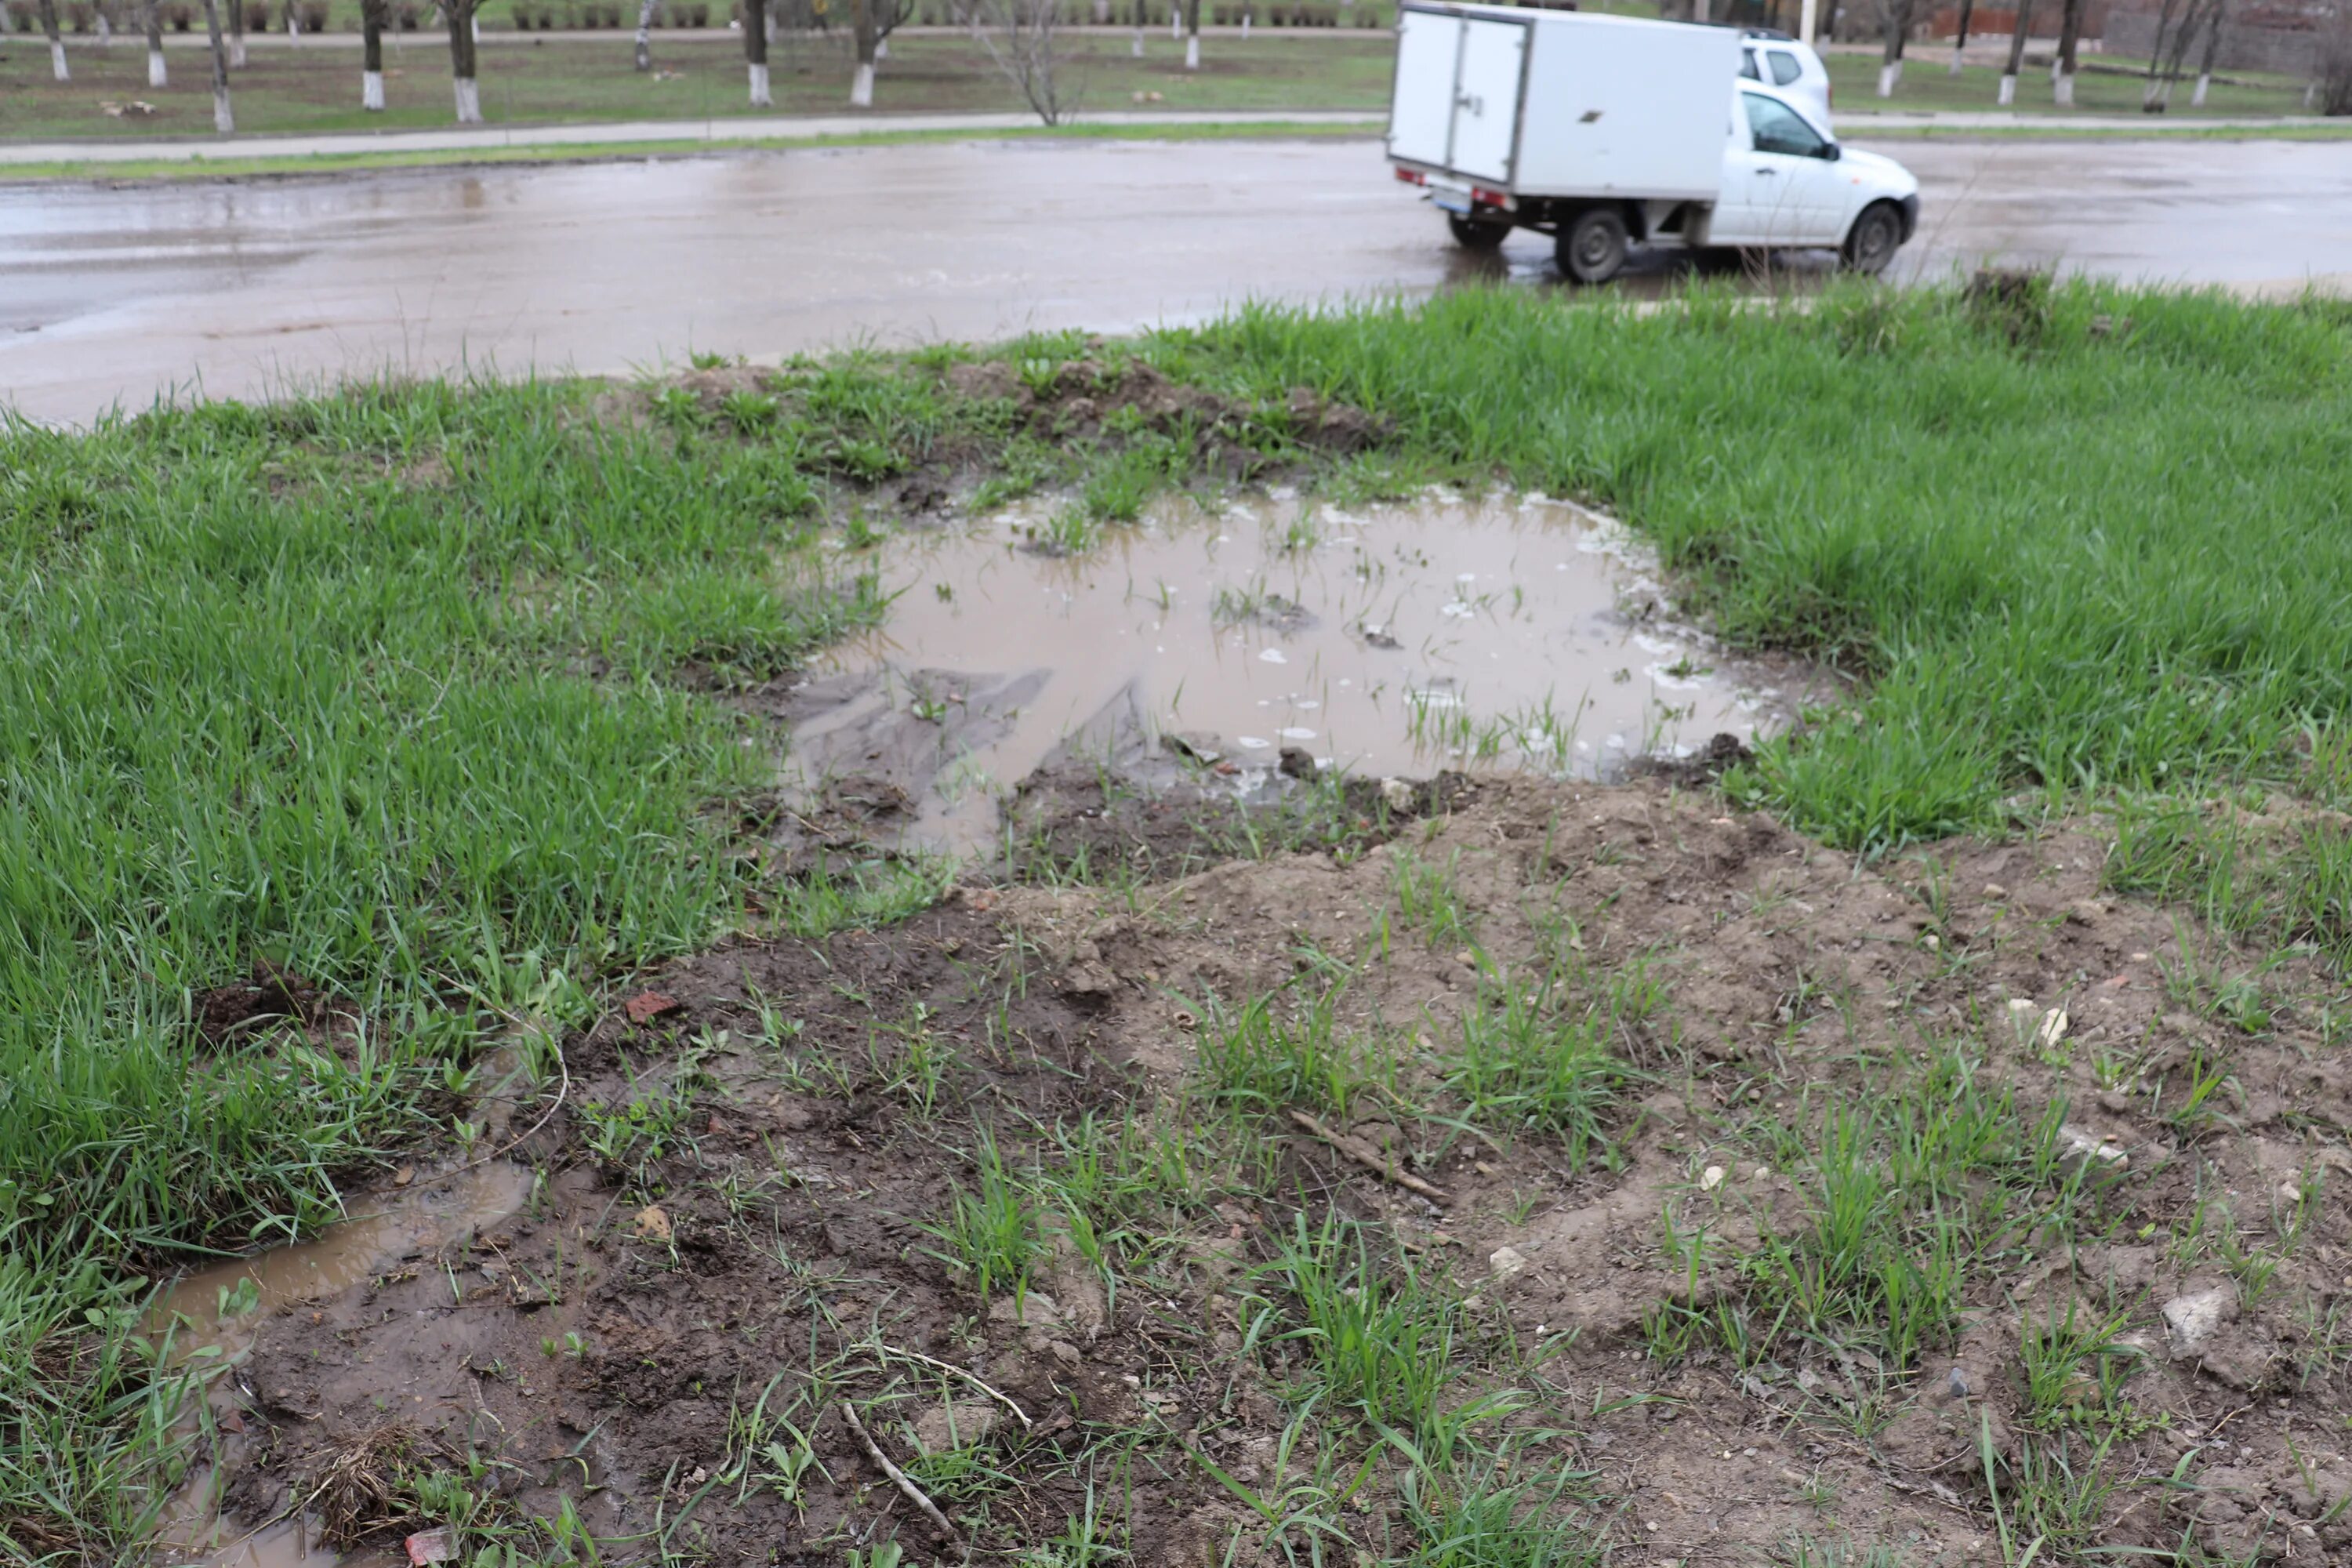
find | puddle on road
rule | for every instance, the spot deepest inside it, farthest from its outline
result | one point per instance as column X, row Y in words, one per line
column 223, row 1307
column 1388, row 639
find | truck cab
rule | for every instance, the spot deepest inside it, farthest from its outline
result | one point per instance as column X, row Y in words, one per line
column 1604, row 132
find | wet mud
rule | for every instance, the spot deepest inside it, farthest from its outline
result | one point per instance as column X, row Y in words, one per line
column 746, row 1197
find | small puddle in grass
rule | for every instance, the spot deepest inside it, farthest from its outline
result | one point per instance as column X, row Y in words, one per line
column 1508, row 631
column 222, row 1308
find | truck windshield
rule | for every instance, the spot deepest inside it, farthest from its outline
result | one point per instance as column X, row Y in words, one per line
column 1780, row 129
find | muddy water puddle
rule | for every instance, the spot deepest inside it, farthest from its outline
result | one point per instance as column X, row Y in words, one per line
column 1509, row 631
column 215, row 1313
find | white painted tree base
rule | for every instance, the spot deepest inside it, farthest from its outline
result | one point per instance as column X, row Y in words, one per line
column 58, row 62
column 1956, row 59
column 861, row 88
column 1245, row 22
column 2008, row 91
column 469, row 100
column 224, row 121
column 1888, row 75
column 158, row 74
column 372, row 92
column 237, row 54
column 881, row 50
column 2196, row 99
column 1175, row 21
column 1192, row 53
column 760, row 99
column 2064, row 94
column 1138, row 50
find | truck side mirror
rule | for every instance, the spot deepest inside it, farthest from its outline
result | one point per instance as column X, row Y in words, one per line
column 1832, row 152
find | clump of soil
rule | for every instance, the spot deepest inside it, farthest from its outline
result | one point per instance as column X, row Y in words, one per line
column 765, row 1198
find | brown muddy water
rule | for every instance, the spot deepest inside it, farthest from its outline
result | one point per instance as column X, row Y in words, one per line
column 216, row 1313
column 1511, row 631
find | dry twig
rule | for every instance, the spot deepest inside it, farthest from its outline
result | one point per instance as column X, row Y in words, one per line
column 1371, row 1159
column 913, row 1493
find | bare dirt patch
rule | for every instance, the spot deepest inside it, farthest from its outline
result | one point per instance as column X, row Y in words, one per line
column 759, row 1202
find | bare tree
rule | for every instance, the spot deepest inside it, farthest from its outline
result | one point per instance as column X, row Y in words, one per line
column 57, row 67
column 1895, row 24
column 755, row 50
column 2167, row 57
column 1960, row 40
column 236, row 34
column 1192, row 35
column 2070, row 35
column 2213, row 48
column 1022, row 37
column 2155, row 54
column 158, row 74
column 224, row 121
column 646, row 34
column 372, row 20
column 2331, row 68
column 459, row 15
column 1142, row 16
column 2016, row 51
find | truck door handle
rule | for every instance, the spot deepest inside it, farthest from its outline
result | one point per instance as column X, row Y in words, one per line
column 1471, row 101
column 1766, row 173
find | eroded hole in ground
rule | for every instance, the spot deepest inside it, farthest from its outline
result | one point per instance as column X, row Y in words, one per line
column 1259, row 638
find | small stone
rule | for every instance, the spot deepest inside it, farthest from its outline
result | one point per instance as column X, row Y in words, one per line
column 1506, row 1261
column 1710, row 1178
column 2190, row 1321
column 2053, row 1029
column 1995, row 890
column 653, row 1224
column 1931, row 942
column 1958, row 1381
column 2020, row 1005
column 1396, row 795
column 2290, row 1190
column 1763, row 1172
column 2081, row 1143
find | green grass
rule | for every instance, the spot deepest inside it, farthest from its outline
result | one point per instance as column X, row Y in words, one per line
column 564, row 80
column 2087, row 542
column 1928, row 84
column 382, row 690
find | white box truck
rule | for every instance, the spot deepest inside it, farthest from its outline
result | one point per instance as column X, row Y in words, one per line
column 1604, row 132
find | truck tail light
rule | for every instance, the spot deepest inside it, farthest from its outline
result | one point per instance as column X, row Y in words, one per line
column 1412, row 177
column 1489, row 198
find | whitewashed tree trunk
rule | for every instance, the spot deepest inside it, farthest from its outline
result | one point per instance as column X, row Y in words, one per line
column 1246, row 24
column 1888, row 75
column 2196, row 98
column 645, row 34
column 761, row 97
column 469, row 100
column 105, row 30
column 2008, row 89
column 237, row 53
column 1138, row 49
column 881, row 50
column 1956, row 59
column 1192, row 52
column 2064, row 94
column 223, row 116
column 372, row 92
column 861, row 88
column 158, row 74
column 57, row 67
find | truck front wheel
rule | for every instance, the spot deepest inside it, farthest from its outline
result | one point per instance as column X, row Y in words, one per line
column 1591, row 247
column 1873, row 239
column 1476, row 233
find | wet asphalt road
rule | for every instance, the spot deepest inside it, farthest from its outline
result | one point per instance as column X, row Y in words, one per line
column 243, row 288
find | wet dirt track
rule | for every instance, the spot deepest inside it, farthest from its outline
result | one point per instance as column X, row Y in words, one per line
column 117, row 294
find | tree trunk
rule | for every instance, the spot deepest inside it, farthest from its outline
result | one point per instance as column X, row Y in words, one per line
column 1960, row 39
column 1192, row 35
column 2213, row 48
column 861, row 21
column 58, row 66
column 755, row 50
column 2190, row 17
column 645, row 34
column 2155, row 54
column 1142, row 18
column 236, row 34
column 223, row 119
column 459, row 14
column 1894, row 20
column 158, row 74
column 372, row 13
column 2016, row 51
column 2070, row 38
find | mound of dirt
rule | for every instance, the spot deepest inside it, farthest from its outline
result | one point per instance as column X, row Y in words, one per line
column 779, row 1191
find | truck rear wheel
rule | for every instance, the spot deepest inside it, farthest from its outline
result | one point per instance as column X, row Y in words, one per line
column 1591, row 247
column 1476, row 233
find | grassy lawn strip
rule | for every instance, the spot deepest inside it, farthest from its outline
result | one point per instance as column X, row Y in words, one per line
column 414, row 692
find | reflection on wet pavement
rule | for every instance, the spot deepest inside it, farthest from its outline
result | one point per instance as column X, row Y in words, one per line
column 123, row 292
column 1384, row 640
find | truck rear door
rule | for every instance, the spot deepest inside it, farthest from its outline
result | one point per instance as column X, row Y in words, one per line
column 1486, row 97
column 1455, row 104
